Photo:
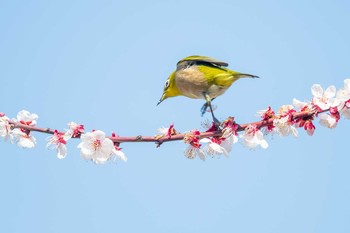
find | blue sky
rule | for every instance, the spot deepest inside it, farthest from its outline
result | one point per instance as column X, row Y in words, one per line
column 103, row 64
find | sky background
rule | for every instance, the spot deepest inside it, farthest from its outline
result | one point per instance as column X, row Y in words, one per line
column 104, row 63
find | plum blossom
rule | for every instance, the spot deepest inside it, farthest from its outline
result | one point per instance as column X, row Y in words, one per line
column 58, row 143
column 74, row 131
column 228, row 142
column 343, row 96
column 345, row 111
column 302, row 106
column 23, row 138
column 307, row 124
column 5, row 127
column 27, row 118
column 229, row 127
column 324, row 99
column 214, row 146
column 283, row 127
column 95, row 146
column 267, row 114
column 253, row 137
column 328, row 120
column 221, row 145
column 163, row 131
column 194, row 147
column 118, row 154
column 191, row 152
column 283, row 123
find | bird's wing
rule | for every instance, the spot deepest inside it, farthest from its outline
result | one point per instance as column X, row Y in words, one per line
column 193, row 60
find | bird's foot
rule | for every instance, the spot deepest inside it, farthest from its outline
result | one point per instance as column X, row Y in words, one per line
column 216, row 122
column 204, row 108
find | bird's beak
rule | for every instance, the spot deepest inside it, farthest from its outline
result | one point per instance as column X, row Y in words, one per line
column 161, row 99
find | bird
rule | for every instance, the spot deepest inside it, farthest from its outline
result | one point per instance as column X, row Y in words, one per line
column 201, row 77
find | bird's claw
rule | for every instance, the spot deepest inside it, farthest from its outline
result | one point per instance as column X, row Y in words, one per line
column 217, row 122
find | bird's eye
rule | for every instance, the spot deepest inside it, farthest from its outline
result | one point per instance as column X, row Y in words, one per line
column 166, row 85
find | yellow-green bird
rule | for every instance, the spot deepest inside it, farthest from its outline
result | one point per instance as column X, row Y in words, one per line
column 201, row 77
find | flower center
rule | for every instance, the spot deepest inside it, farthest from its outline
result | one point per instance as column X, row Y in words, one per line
column 97, row 144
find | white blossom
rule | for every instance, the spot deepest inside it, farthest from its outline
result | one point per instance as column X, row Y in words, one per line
column 163, row 130
column 213, row 148
column 75, row 130
column 343, row 94
column 328, row 121
column 192, row 152
column 23, row 139
column 58, row 143
column 300, row 106
column 253, row 137
column 5, row 127
column 285, row 109
column 262, row 112
column 25, row 117
column 228, row 142
column 283, row 127
column 119, row 154
column 96, row 147
column 345, row 112
column 324, row 99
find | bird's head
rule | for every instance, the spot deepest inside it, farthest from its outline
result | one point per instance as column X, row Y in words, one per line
column 170, row 88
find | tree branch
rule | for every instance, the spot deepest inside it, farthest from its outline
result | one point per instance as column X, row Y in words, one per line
column 177, row 137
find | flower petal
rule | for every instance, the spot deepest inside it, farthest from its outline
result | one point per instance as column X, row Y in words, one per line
column 317, row 90
column 330, row 92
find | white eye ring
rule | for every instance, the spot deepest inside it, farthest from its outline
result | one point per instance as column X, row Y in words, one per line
column 166, row 83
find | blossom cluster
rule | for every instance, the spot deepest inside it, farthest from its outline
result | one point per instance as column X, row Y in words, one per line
column 329, row 105
column 94, row 146
column 20, row 136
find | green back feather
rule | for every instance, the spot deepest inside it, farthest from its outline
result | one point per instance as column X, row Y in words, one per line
column 219, row 76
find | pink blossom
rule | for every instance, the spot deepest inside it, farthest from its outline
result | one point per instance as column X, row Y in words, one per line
column 229, row 127
column 307, row 124
column 193, row 150
column 58, row 143
column 27, row 118
column 267, row 114
column 170, row 131
column 330, row 120
column 74, row 131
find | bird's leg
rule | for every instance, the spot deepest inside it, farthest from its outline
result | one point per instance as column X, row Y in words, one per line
column 205, row 106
